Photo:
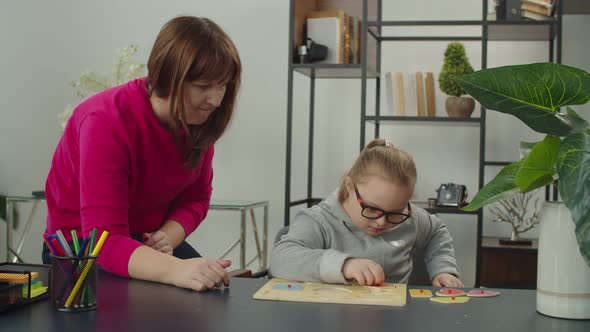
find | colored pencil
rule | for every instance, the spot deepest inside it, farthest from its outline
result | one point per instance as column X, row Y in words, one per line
column 75, row 240
column 87, row 267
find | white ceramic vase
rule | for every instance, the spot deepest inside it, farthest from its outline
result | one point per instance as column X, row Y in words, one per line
column 563, row 277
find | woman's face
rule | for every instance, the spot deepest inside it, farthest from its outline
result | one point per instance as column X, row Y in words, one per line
column 201, row 99
column 377, row 194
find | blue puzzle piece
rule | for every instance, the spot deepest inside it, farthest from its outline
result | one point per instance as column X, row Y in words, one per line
column 286, row 287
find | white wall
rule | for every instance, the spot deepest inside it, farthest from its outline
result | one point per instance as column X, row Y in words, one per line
column 45, row 45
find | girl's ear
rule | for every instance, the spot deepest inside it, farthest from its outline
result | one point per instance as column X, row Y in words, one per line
column 348, row 183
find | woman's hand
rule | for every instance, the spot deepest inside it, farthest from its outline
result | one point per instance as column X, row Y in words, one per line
column 364, row 271
column 201, row 274
column 159, row 241
column 446, row 280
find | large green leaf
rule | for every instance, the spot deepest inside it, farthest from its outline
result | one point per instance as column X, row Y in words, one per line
column 533, row 93
column 577, row 123
column 525, row 148
column 539, row 166
column 499, row 188
column 573, row 168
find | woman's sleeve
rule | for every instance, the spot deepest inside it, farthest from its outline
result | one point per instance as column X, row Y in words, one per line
column 191, row 206
column 104, row 189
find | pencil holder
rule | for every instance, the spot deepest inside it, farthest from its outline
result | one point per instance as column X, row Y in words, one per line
column 73, row 283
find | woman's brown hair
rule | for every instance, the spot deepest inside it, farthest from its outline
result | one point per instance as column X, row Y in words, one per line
column 380, row 158
column 188, row 49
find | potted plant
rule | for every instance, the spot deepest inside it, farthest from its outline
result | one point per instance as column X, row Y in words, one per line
column 455, row 64
column 536, row 94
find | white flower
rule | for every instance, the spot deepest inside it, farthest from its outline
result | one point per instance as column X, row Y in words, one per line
column 64, row 116
column 125, row 68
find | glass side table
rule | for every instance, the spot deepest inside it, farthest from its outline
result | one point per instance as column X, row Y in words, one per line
column 246, row 207
column 9, row 201
column 243, row 206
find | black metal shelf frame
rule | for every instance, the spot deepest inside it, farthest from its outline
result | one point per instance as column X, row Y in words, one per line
column 549, row 30
column 390, row 118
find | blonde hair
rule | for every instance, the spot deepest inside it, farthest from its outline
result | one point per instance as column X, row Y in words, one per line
column 188, row 49
column 380, row 158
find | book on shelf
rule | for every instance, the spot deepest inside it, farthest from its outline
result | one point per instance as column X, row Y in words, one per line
column 327, row 28
column 429, row 92
column 420, row 98
column 355, row 35
column 535, row 16
column 410, row 104
column 411, row 91
column 538, row 6
column 337, row 31
column 395, row 82
column 347, row 40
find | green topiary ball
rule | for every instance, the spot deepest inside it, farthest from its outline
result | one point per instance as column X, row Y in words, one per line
column 455, row 64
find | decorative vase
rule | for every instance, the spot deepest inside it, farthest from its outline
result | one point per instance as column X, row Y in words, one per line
column 459, row 107
column 563, row 277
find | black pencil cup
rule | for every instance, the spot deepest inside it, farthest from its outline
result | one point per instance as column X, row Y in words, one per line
column 73, row 283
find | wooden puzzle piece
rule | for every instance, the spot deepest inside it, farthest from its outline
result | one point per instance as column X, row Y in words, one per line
column 420, row 293
column 482, row 293
column 450, row 299
column 450, row 292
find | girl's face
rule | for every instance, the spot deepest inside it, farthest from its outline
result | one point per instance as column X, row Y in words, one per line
column 201, row 99
column 377, row 195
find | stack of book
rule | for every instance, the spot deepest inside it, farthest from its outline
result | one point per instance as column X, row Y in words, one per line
column 341, row 33
column 538, row 10
column 417, row 93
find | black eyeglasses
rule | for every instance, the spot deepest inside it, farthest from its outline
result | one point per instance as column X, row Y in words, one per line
column 371, row 212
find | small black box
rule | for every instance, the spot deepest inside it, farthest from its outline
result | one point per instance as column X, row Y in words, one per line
column 513, row 11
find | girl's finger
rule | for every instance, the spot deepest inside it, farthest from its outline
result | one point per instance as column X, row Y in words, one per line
column 436, row 283
column 359, row 278
column 369, row 278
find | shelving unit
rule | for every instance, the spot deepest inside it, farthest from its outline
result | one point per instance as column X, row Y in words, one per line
column 370, row 12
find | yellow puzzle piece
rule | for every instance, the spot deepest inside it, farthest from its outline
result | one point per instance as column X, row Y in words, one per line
column 450, row 299
column 420, row 293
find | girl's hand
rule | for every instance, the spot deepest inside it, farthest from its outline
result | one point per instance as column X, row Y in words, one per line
column 201, row 274
column 446, row 280
column 158, row 240
column 364, row 271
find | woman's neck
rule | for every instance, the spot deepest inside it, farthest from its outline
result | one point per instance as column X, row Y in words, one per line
column 160, row 107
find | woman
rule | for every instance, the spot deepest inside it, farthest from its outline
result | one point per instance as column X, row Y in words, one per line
column 136, row 160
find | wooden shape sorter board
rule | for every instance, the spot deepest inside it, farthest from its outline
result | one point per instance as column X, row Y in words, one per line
column 284, row 290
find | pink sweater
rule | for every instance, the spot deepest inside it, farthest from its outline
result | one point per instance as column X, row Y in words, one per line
column 117, row 169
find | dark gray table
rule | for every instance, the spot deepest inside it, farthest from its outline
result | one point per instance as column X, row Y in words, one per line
column 131, row 305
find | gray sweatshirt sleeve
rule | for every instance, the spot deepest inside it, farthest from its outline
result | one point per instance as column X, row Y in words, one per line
column 434, row 238
column 301, row 255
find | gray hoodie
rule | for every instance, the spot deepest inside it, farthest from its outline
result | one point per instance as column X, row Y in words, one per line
column 322, row 237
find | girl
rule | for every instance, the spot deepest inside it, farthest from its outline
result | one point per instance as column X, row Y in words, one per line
column 135, row 160
column 366, row 231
